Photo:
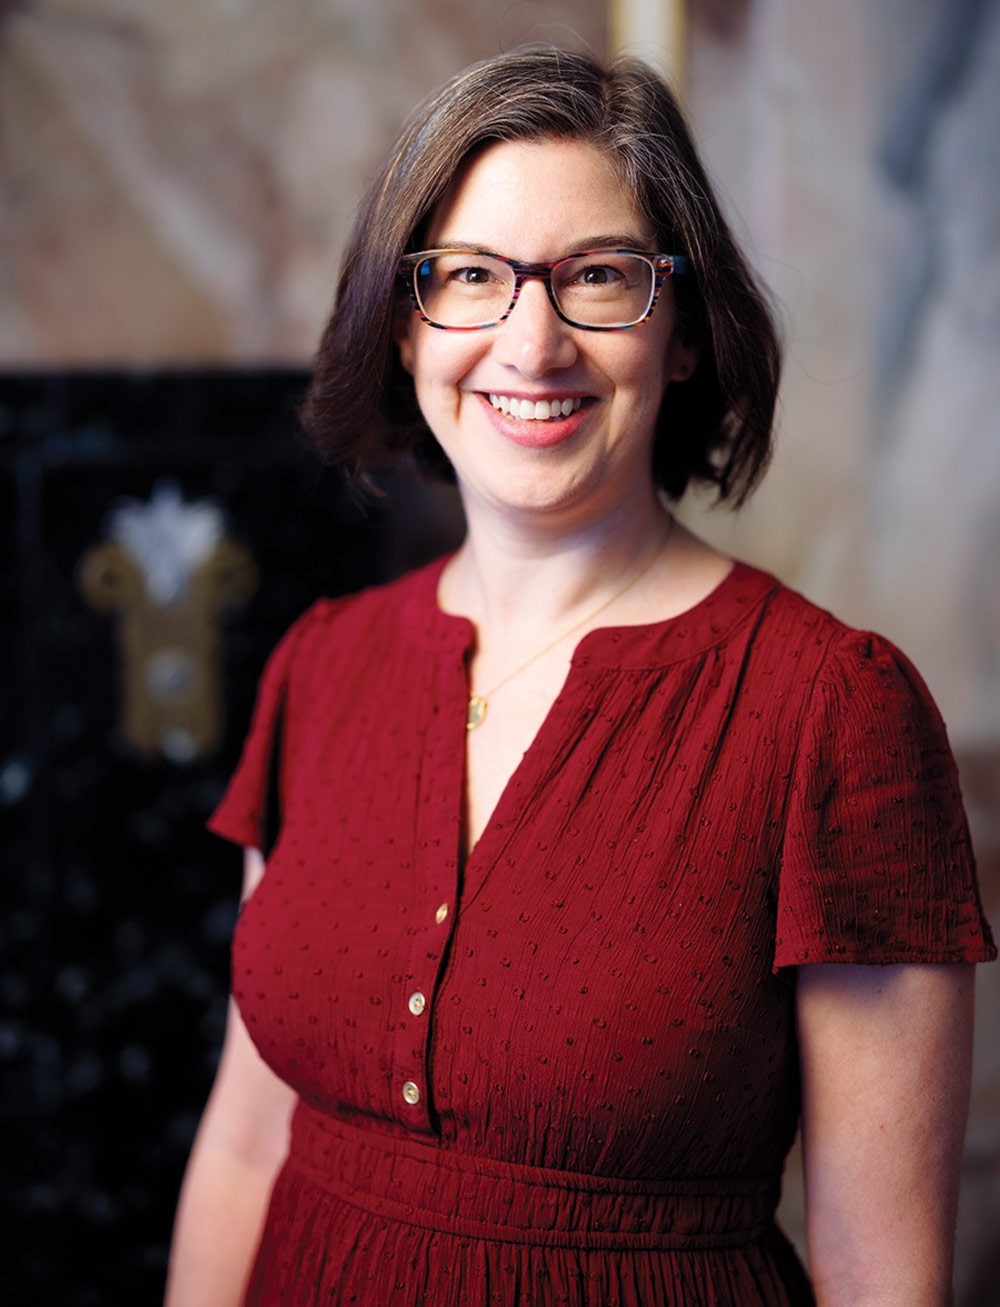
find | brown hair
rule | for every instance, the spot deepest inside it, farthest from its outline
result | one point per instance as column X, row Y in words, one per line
column 715, row 427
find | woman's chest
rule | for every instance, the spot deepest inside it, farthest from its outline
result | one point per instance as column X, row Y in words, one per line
column 594, row 987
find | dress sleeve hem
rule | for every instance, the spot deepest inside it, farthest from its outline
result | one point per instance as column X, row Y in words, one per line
column 887, row 958
column 238, row 830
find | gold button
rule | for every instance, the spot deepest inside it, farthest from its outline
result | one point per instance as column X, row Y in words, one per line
column 441, row 913
column 411, row 1093
column 416, row 1003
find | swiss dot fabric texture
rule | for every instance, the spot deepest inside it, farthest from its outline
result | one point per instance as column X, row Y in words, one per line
column 591, row 1101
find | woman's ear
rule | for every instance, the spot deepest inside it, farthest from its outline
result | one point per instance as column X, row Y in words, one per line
column 402, row 327
column 683, row 360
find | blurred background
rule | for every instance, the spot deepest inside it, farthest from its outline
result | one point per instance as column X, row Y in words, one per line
column 176, row 184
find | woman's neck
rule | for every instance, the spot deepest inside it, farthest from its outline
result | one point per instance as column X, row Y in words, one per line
column 507, row 578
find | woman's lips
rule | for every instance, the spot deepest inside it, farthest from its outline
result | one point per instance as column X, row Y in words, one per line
column 530, row 421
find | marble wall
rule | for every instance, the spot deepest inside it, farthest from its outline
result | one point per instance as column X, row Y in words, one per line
column 856, row 146
column 177, row 180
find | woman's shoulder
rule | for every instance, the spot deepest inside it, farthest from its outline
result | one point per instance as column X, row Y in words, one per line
column 716, row 598
column 802, row 622
column 847, row 681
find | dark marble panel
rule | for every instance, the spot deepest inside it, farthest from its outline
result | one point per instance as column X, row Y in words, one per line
column 118, row 906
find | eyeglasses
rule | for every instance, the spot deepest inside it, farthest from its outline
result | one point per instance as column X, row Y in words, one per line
column 596, row 290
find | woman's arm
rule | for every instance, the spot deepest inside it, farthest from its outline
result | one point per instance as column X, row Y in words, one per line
column 239, row 1147
column 886, row 1056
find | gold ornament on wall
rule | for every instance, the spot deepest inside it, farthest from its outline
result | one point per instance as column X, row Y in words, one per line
column 169, row 573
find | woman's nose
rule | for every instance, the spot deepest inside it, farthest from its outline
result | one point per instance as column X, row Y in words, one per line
column 534, row 339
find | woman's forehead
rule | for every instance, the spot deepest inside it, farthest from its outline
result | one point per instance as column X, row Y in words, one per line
column 556, row 194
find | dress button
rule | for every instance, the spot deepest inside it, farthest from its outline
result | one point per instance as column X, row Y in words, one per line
column 441, row 913
column 411, row 1093
column 416, row 1003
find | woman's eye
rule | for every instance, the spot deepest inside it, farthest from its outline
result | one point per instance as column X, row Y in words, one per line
column 471, row 276
column 599, row 275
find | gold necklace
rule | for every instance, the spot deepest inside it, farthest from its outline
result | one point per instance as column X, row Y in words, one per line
column 476, row 713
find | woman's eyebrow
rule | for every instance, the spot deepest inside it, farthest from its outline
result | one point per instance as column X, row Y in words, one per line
column 625, row 240
column 607, row 241
column 473, row 247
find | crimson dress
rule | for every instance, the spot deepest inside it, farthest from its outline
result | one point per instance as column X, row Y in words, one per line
column 565, row 1071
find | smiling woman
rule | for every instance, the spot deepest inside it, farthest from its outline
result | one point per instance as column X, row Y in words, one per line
column 598, row 455
column 603, row 859
column 361, row 408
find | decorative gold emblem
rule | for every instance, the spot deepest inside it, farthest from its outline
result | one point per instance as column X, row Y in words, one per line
column 169, row 572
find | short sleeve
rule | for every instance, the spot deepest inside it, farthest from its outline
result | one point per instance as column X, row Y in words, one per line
column 249, row 812
column 877, row 865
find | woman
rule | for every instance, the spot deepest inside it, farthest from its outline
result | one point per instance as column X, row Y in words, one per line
column 598, row 854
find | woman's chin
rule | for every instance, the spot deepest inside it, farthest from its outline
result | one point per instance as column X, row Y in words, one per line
column 544, row 497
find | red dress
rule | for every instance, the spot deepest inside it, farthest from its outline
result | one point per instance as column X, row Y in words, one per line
column 565, row 1072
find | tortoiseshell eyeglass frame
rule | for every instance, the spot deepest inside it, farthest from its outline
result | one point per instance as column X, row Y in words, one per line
column 663, row 266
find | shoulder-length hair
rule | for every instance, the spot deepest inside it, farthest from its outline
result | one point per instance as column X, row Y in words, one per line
column 714, row 428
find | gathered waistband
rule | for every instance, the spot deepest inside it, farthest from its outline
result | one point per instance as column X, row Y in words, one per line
column 422, row 1184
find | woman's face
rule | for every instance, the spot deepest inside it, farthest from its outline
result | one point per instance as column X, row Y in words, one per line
column 537, row 201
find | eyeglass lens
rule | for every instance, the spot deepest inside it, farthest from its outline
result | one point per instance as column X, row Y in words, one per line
column 461, row 288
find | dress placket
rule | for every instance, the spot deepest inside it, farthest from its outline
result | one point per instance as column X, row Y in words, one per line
column 436, row 890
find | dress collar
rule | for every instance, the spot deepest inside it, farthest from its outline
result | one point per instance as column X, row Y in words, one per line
column 653, row 644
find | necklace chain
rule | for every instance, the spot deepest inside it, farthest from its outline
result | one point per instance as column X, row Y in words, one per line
column 478, row 703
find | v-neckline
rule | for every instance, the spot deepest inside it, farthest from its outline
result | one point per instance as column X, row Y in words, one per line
column 471, row 855
column 599, row 647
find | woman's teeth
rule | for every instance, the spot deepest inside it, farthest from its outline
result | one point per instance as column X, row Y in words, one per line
column 535, row 410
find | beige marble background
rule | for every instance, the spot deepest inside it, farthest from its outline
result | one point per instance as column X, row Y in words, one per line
column 177, row 179
column 176, row 182
column 858, row 152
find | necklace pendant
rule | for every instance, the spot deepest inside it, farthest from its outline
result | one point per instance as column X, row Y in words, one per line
column 476, row 713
